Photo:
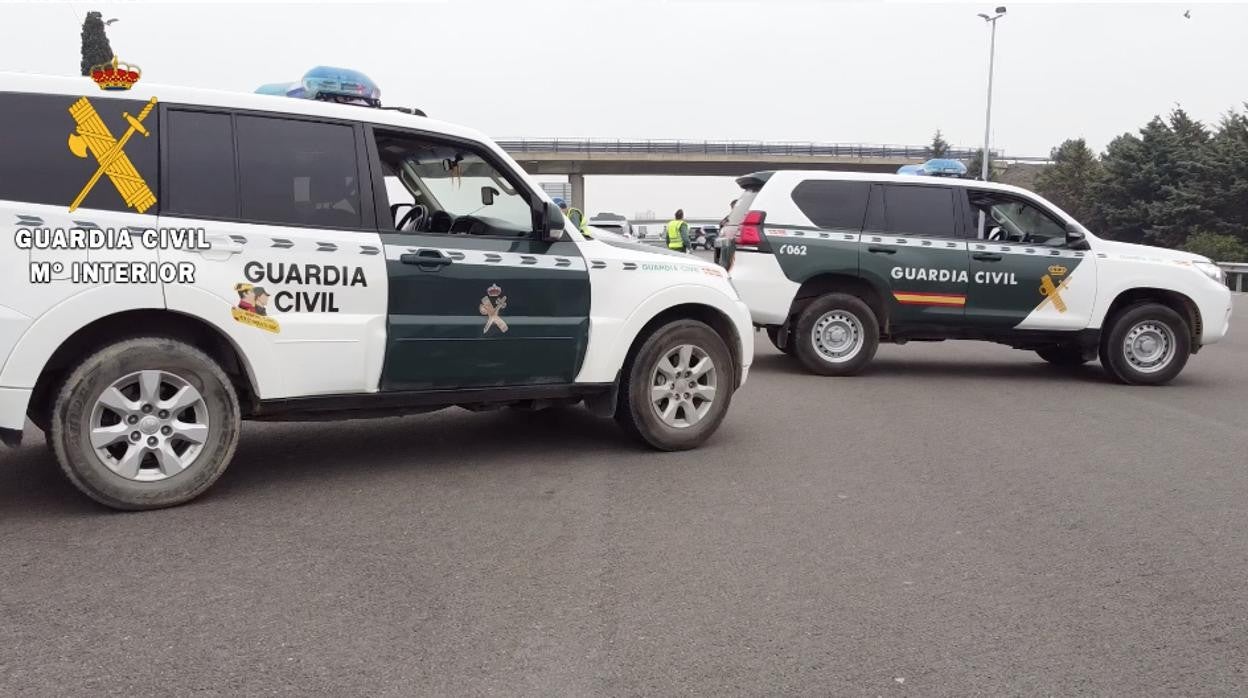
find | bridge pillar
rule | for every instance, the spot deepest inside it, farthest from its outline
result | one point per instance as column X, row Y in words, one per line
column 578, row 191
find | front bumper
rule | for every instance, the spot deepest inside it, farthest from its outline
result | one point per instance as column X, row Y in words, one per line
column 13, row 404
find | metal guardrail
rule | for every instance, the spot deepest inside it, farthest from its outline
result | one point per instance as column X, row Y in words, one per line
column 1236, row 275
column 665, row 146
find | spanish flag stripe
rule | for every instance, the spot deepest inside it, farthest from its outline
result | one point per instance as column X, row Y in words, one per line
column 929, row 298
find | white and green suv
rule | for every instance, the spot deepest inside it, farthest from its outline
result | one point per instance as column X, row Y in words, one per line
column 832, row 263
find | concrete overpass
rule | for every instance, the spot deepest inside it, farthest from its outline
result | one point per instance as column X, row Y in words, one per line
column 577, row 157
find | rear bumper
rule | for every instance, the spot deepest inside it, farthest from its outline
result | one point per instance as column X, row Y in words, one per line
column 763, row 286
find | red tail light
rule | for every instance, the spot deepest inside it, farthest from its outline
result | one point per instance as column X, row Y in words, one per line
column 751, row 231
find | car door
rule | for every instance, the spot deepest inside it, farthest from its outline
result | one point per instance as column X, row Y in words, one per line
column 476, row 298
column 293, row 271
column 911, row 245
column 1022, row 274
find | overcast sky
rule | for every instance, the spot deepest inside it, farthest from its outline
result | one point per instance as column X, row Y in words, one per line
column 871, row 72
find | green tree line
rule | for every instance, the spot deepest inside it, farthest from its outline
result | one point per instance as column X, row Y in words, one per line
column 1176, row 183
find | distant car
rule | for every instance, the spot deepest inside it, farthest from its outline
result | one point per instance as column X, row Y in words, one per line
column 613, row 222
column 618, row 227
column 703, row 236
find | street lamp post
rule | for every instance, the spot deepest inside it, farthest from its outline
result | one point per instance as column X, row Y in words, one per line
column 992, row 49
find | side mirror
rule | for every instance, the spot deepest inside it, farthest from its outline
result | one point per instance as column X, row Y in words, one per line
column 1075, row 239
column 553, row 223
column 487, row 195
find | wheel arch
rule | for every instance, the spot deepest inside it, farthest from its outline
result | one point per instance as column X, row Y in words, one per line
column 715, row 318
column 822, row 284
column 1176, row 301
column 138, row 323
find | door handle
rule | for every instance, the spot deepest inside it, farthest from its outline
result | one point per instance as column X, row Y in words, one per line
column 881, row 250
column 987, row 256
column 426, row 259
column 219, row 248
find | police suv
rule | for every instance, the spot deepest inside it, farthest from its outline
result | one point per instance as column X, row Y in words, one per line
column 831, row 264
column 178, row 260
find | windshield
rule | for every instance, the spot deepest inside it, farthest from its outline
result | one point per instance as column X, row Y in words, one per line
column 458, row 187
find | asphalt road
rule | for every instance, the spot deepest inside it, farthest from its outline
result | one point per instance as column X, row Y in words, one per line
column 962, row 520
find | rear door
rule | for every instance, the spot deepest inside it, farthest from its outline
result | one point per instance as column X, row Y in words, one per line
column 53, row 150
column 476, row 299
column 912, row 246
column 293, row 270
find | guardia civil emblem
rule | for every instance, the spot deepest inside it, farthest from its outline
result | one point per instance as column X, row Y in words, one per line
column 1053, row 292
column 92, row 138
column 492, row 305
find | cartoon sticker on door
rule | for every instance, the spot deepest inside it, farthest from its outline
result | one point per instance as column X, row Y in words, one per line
column 253, row 308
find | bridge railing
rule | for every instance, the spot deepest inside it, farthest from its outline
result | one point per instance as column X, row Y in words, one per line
column 709, row 147
column 1236, row 275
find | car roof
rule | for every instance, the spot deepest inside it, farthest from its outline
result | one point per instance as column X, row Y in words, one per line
column 173, row 94
column 789, row 178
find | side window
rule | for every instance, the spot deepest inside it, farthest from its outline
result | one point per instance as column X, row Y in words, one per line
column 200, row 177
column 51, row 146
column 294, row 172
column 434, row 186
column 919, row 210
column 832, row 203
column 1015, row 220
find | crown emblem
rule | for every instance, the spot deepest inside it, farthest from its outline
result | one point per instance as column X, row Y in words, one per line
column 115, row 75
column 493, row 291
column 1057, row 270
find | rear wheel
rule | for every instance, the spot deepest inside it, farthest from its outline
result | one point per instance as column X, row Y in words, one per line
column 145, row 423
column 1147, row 344
column 1064, row 355
column 677, row 387
column 836, row 335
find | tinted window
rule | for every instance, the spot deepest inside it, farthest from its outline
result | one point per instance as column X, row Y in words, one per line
column 200, row 178
column 917, row 210
column 833, row 204
column 297, row 172
column 38, row 166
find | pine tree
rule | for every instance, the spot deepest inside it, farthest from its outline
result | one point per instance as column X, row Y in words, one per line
column 1228, row 175
column 95, row 48
column 975, row 166
column 1127, row 187
column 1184, row 206
column 939, row 147
column 1069, row 181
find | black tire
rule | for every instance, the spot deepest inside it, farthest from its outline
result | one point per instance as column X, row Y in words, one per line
column 773, row 333
column 76, row 400
column 1065, row 355
column 638, row 416
column 804, row 343
column 1114, row 355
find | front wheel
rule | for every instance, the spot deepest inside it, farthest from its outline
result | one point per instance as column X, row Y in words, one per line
column 1147, row 344
column 677, row 387
column 145, row 423
column 836, row 335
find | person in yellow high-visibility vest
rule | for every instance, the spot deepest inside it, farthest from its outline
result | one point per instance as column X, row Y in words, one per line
column 678, row 232
column 574, row 215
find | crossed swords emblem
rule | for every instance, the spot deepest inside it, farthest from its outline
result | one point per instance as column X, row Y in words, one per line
column 492, row 309
column 93, row 137
column 1053, row 292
